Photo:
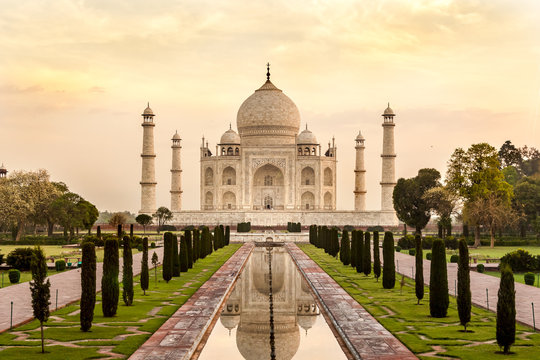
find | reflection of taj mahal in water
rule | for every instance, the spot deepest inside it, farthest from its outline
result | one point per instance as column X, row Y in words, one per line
column 269, row 172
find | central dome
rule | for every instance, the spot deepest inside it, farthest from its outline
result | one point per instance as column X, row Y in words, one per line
column 268, row 113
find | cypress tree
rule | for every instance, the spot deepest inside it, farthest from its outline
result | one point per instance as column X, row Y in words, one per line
column 335, row 242
column 353, row 248
column 189, row 244
column 222, row 236
column 119, row 232
column 110, row 289
column 183, row 254
column 131, row 231
column 168, row 256
column 419, row 275
column 325, row 238
column 196, row 245
column 203, row 245
column 359, row 251
column 216, row 238
column 154, row 264
column 88, row 285
column 376, row 256
column 438, row 281
column 145, row 277
column 227, row 235
column 176, row 257
column 464, row 285
column 98, row 232
column 40, row 289
column 345, row 251
column 389, row 268
column 367, row 254
column 506, row 310
column 127, row 273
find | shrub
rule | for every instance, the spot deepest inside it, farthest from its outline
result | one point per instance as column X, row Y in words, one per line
column 520, row 260
column 348, row 228
column 406, row 242
column 389, row 268
column 412, row 252
column 60, row 265
column 127, row 273
column 377, row 228
column 454, row 259
column 140, row 247
column 153, row 245
column 506, row 310
column 243, row 227
column 96, row 240
column 438, row 282
column 167, row 228
column 464, row 285
column 14, row 276
column 20, row 258
column 429, row 256
column 110, row 289
column 144, row 266
column 451, row 242
column 427, row 242
column 529, row 278
column 294, row 227
column 419, row 262
column 88, row 285
column 480, row 268
column 398, row 249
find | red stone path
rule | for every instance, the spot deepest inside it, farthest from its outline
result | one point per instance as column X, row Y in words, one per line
column 525, row 294
column 180, row 336
column 68, row 284
column 365, row 337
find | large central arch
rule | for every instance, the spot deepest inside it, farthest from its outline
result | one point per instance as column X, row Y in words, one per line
column 268, row 188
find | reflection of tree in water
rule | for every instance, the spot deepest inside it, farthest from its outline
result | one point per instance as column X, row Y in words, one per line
column 247, row 306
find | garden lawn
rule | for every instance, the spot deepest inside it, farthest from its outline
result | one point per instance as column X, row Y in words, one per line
column 518, row 277
column 485, row 251
column 120, row 335
column 412, row 323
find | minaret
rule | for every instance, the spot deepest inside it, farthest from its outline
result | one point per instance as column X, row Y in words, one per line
column 360, row 175
column 176, row 174
column 148, row 178
column 388, row 180
column 3, row 171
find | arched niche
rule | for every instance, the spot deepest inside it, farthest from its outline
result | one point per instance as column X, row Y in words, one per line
column 229, row 176
column 307, row 176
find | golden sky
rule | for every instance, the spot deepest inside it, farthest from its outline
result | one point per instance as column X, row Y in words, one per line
column 76, row 75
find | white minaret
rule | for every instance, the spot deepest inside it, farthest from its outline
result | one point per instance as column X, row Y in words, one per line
column 360, row 175
column 388, row 180
column 176, row 174
column 148, row 178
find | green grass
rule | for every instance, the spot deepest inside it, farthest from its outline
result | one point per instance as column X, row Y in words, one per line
column 485, row 251
column 412, row 323
column 57, row 251
column 518, row 277
column 25, row 276
column 64, row 328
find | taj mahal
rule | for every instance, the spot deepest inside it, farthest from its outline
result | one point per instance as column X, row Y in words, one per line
column 269, row 172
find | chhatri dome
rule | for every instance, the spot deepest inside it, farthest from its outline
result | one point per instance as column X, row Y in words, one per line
column 230, row 137
column 306, row 137
column 268, row 113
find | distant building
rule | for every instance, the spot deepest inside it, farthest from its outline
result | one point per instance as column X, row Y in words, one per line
column 3, row 171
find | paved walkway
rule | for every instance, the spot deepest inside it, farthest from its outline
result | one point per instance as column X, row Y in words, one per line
column 525, row 294
column 181, row 335
column 67, row 283
column 364, row 336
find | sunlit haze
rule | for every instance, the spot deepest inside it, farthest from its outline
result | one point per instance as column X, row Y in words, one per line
column 76, row 75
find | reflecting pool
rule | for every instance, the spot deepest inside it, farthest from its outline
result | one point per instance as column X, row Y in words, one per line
column 271, row 294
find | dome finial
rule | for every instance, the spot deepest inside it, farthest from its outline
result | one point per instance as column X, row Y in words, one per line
column 230, row 126
column 267, row 71
column 306, row 126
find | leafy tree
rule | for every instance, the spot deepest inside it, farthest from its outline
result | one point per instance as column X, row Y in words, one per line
column 376, row 256
column 409, row 202
column 345, row 251
column 506, row 310
column 88, row 285
column 419, row 275
column 509, row 155
column 183, row 254
column 389, row 268
column 127, row 273
column 527, row 200
column 176, row 257
column 41, row 290
column 442, row 202
column 464, row 285
column 162, row 215
column 438, row 282
column 144, row 220
column 110, row 289
column 118, row 218
column 168, row 256
column 366, row 262
column 531, row 161
column 144, row 267
column 155, row 264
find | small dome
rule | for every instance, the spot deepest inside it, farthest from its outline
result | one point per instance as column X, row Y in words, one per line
column 176, row 136
column 148, row 111
column 229, row 321
column 306, row 137
column 230, row 137
column 359, row 136
column 389, row 111
column 307, row 321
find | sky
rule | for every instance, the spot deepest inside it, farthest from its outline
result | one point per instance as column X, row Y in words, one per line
column 76, row 75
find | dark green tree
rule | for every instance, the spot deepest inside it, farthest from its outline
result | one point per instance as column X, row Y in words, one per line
column 376, row 256
column 145, row 278
column 189, row 244
column 359, row 251
column 506, row 310
column 366, row 262
column 464, row 285
column 203, row 245
column 345, row 250
column 419, row 275
column 119, row 232
column 162, row 215
column 227, row 235
column 216, row 238
column 155, row 264
column 176, row 257
column 88, row 285
column 168, row 256
column 438, row 281
column 196, row 245
column 389, row 267
column 127, row 273
column 40, row 289
column 183, row 254
column 144, row 220
column 110, row 289
column 353, row 248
